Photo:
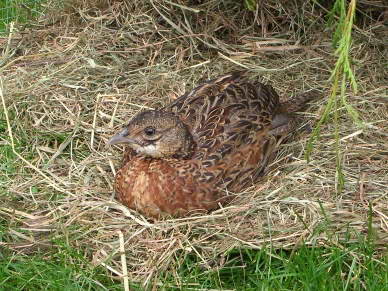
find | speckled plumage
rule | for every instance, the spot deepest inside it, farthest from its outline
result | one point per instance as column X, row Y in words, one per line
column 183, row 157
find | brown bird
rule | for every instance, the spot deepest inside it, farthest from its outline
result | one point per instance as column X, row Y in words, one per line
column 194, row 153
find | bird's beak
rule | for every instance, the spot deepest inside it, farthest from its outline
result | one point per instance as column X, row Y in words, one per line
column 121, row 137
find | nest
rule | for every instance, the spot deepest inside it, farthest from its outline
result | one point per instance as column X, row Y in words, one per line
column 69, row 82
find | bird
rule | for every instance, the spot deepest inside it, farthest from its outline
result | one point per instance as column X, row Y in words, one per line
column 194, row 154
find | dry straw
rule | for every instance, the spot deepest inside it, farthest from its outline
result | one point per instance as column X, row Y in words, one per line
column 76, row 76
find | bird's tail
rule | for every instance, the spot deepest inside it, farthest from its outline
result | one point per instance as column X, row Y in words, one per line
column 297, row 102
column 284, row 122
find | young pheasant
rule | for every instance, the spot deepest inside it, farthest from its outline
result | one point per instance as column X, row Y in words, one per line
column 192, row 154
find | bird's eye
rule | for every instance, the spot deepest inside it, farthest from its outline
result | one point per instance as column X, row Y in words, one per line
column 149, row 131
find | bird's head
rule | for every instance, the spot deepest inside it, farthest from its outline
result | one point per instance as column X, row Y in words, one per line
column 157, row 134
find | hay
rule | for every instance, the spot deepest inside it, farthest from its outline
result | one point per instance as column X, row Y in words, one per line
column 74, row 80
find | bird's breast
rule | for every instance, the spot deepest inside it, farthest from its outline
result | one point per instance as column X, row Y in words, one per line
column 158, row 187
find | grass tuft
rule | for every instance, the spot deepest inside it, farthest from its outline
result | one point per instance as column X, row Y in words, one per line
column 341, row 75
column 20, row 11
column 65, row 269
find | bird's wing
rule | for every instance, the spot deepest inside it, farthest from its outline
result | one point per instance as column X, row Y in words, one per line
column 225, row 113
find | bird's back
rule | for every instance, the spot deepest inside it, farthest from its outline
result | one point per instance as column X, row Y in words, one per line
column 229, row 118
column 225, row 112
